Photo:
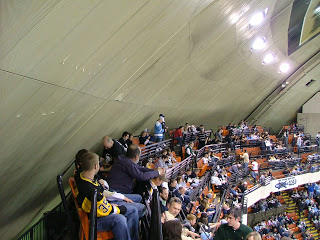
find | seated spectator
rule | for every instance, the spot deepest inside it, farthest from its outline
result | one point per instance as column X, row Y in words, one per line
column 180, row 193
column 78, row 157
column 243, row 186
column 212, row 157
column 123, row 140
column 173, row 185
column 112, row 150
column 191, row 222
column 206, row 159
column 174, row 209
column 161, row 163
column 194, row 179
column 171, row 159
column 172, row 230
column 234, row 168
column 129, row 140
column 163, row 197
column 152, row 138
column 254, row 236
column 180, row 182
column 144, row 139
column 124, row 171
column 204, row 227
column 286, row 171
column 122, row 221
column 215, row 180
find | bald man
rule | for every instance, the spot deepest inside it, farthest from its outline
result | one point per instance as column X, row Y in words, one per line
column 112, row 149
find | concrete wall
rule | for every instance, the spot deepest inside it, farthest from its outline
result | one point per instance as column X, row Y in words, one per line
column 313, row 105
column 311, row 122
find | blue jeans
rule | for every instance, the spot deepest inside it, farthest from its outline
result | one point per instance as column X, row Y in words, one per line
column 206, row 236
column 179, row 139
column 245, row 167
column 136, row 198
column 116, row 223
column 159, row 139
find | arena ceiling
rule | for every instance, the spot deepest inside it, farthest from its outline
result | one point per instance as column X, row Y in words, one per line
column 74, row 71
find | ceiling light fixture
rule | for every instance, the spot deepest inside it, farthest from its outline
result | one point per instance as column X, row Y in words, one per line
column 268, row 58
column 259, row 43
column 284, row 67
column 257, row 19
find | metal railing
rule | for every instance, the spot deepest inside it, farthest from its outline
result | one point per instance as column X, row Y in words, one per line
column 51, row 226
column 153, row 150
column 64, row 197
column 93, row 216
column 179, row 168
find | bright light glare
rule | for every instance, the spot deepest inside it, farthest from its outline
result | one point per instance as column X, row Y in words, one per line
column 317, row 10
column 256, row 19
column 268, row 58
column 284, row 67
column 259, row 43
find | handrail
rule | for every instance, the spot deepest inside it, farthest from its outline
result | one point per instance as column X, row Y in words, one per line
column 151, row 150
column 63, row 197
column 253, row 189
column 93, row 217
column 172, row 172
column 219, row 207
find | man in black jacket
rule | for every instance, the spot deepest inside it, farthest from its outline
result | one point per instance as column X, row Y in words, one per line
column 112, row 150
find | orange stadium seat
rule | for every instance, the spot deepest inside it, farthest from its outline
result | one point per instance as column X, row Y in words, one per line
column 83, row 217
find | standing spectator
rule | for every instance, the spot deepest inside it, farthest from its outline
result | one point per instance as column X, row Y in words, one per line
column 189, row 150
column 158, row 130
column 164, row 127
column 202, row 138
column 255, row 170
column 246, row 160
column 178, row 135
column 219, row 134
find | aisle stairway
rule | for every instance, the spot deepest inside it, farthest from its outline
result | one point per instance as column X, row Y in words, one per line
column 293, row 211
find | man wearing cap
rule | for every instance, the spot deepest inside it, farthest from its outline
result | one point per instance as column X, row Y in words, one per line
column 158, row 130
column 164, row 127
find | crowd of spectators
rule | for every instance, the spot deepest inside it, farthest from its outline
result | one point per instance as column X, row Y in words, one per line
column 126, row 183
